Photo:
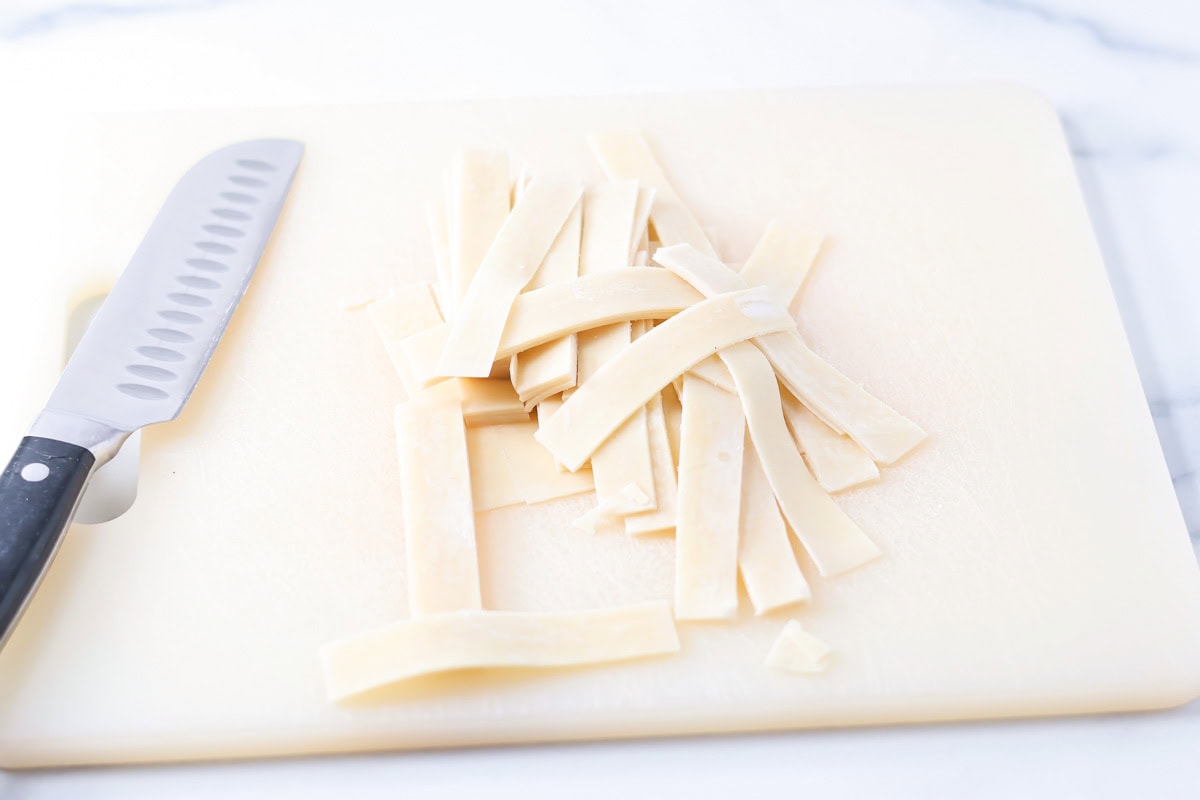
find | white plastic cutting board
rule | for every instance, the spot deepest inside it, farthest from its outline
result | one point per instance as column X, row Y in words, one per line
column 1035, row 559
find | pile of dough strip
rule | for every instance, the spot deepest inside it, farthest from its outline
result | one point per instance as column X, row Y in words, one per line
column 590, row 338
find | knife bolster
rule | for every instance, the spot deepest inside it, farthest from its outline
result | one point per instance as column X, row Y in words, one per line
column 101, row 439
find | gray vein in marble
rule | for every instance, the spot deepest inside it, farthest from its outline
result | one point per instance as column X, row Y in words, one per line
column 1133, row 151
column 78, row 14
column 1100, row 33
column 1164, row 406
column 1107, row 139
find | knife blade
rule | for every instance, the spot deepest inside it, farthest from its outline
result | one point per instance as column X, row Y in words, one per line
column 144, row 352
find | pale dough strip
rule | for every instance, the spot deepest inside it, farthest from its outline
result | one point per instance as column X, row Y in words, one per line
column 493, row 483
column 562, row 308
column 551, row 367
column 478, row 204
column 508, row 467
column 622, row 465
column 546, row 409
column 593, row 301
column 765, row 558
column 781, row 261
column 485, row 401
column 837, row 400
column 421, row 351
column 641, row 220
column 521, row 182
column 623, row 469
column 489, row 401
column 545, row 369
column 666, row 506
column 627, row 154
column 713, row 371
column 510, row 263
column 411, row 310
column 609, row 216
column 673, row 415
column 710, row 479
column 640, row 371
column 837, row 461
column 831, row 538
column 476, row 639
column 439, row 237
column 435, row 492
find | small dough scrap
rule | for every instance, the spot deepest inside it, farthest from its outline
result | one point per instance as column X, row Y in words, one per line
column 593, row 520
column 551, row 367
column 627, row 154
column 519, row 247
column 508, row 467
column 629, row 380
column 765, row 558
column 710, row 480
column 481, row 639
column 835, row 543
column 490, row 401
column 478, row 206
column 635, row 497
column 666, row 507
column 838, row 401
column 837, row 461
column 435, row 489
column 782, row 260
column 797, row 650
column 412, row 309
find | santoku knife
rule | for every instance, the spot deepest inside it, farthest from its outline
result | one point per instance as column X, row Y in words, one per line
column 144, row 352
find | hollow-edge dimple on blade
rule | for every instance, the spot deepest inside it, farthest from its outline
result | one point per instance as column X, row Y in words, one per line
column 145, row 350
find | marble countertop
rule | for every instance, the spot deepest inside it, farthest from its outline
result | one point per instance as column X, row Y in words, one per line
column 1126, row 79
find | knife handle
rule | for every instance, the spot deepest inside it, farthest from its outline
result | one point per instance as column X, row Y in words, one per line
column 39, row 490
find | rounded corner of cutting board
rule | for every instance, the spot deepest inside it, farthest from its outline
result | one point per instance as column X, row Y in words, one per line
column 1188, row 693
column 1023, row 98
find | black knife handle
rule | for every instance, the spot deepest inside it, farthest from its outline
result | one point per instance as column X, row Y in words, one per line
column 38, row 492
